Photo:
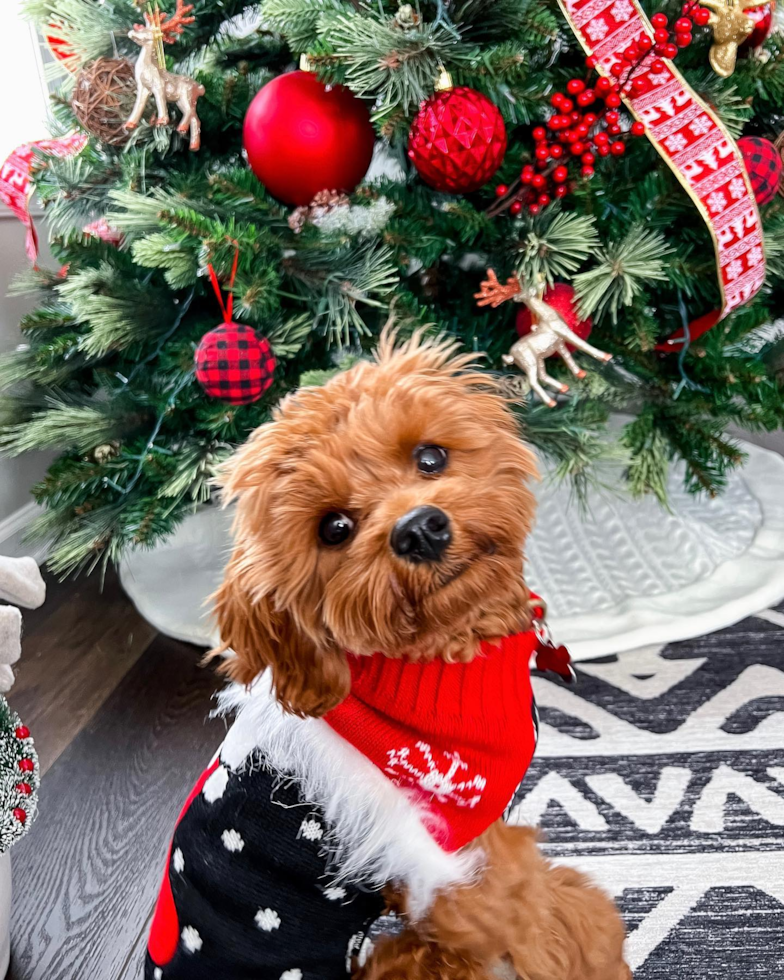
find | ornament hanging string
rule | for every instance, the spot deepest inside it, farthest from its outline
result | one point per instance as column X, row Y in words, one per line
column 227, row 305
column 687, row 135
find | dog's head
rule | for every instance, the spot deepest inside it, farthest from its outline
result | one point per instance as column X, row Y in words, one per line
column 385, row 511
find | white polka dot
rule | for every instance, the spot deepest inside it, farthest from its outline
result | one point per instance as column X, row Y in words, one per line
column 311, row 829
column 291, row 975
column 215, row 786
column 191, row 939
column 335, row 893
column 178, row 861
column 232, row 841
column 157, row 973
column 267, row 920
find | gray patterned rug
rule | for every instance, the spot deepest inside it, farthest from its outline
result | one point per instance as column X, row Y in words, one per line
column 662, row 776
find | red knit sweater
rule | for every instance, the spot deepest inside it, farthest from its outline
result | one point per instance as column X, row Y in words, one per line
column 459, row 736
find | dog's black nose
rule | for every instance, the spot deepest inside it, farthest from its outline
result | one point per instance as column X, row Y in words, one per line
column 423, row 534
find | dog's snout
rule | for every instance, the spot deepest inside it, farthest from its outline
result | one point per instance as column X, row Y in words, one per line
column 421, row 535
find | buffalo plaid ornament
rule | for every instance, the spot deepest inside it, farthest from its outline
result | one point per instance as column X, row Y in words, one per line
column 233, row 364
column 764, row 166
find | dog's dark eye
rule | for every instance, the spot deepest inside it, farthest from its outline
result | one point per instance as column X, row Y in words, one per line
column 335, row 528
column 431, row 459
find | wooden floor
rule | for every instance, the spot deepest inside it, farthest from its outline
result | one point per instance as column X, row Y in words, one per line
column 120, row 718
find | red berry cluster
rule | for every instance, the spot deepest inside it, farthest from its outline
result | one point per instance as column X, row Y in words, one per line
column 25, row 766
column 586, row 121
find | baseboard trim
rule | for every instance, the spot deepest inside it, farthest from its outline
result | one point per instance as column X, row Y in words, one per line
column 12, row 531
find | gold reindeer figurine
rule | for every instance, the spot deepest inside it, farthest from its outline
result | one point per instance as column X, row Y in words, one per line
column 549, row 335
column 152, row 78
column 731, row 26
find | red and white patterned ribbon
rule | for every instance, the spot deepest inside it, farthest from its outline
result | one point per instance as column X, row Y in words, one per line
column 16, row 186
column 690, row 139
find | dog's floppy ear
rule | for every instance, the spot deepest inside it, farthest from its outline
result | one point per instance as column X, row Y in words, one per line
column 308, row 681
column 310, row 674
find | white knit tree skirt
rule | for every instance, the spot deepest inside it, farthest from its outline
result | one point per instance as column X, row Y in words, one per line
column 620, row 575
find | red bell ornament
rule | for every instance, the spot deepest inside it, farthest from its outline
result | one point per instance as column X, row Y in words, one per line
column 457, row 139
column 302, row 136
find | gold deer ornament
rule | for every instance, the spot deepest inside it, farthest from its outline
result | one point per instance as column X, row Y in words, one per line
column 152, row 78
column 731, row 25
column 549, row 335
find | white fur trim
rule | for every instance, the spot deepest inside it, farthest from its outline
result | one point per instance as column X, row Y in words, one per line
column 378, row 833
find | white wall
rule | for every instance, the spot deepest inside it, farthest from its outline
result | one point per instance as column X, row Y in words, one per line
column 22, row 119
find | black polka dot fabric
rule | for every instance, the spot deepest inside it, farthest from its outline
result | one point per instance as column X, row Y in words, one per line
column 254, row 896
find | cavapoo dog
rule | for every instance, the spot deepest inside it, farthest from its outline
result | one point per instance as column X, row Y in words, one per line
column 379, row 632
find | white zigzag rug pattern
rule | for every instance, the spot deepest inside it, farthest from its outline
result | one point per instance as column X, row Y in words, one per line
column 662, row 776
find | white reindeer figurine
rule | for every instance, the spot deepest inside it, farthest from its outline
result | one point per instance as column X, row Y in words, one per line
column 549, row 335
column 153, row 79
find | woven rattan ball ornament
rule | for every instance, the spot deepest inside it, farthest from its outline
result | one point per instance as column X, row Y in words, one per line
column 764, row 166
column 234, row 364
column 103, row 97
column 457, row 139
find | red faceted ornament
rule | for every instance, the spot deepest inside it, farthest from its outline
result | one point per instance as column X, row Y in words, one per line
column 20, row 814
column 762, row 17
column 26, row 765
column 302, row 137
column 233, row 364
column 561, row 298
column 22, row 732
column 457, row 140
column 24, row 788
column 764, row 166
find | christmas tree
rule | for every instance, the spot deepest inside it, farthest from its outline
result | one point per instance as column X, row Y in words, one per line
column 587, row 153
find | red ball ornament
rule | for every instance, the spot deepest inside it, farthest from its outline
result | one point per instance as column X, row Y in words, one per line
column 302, row 137
column 764, row 166
column 659, row 20
column 20, row 814
column 233, row 364
column 701, row 16
column 26, row 765
column 762, row 18
column 561, row 298
column 24, row 788
column 501, row 190
column 457, row 140
column 638, row 128
column 22, row 732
